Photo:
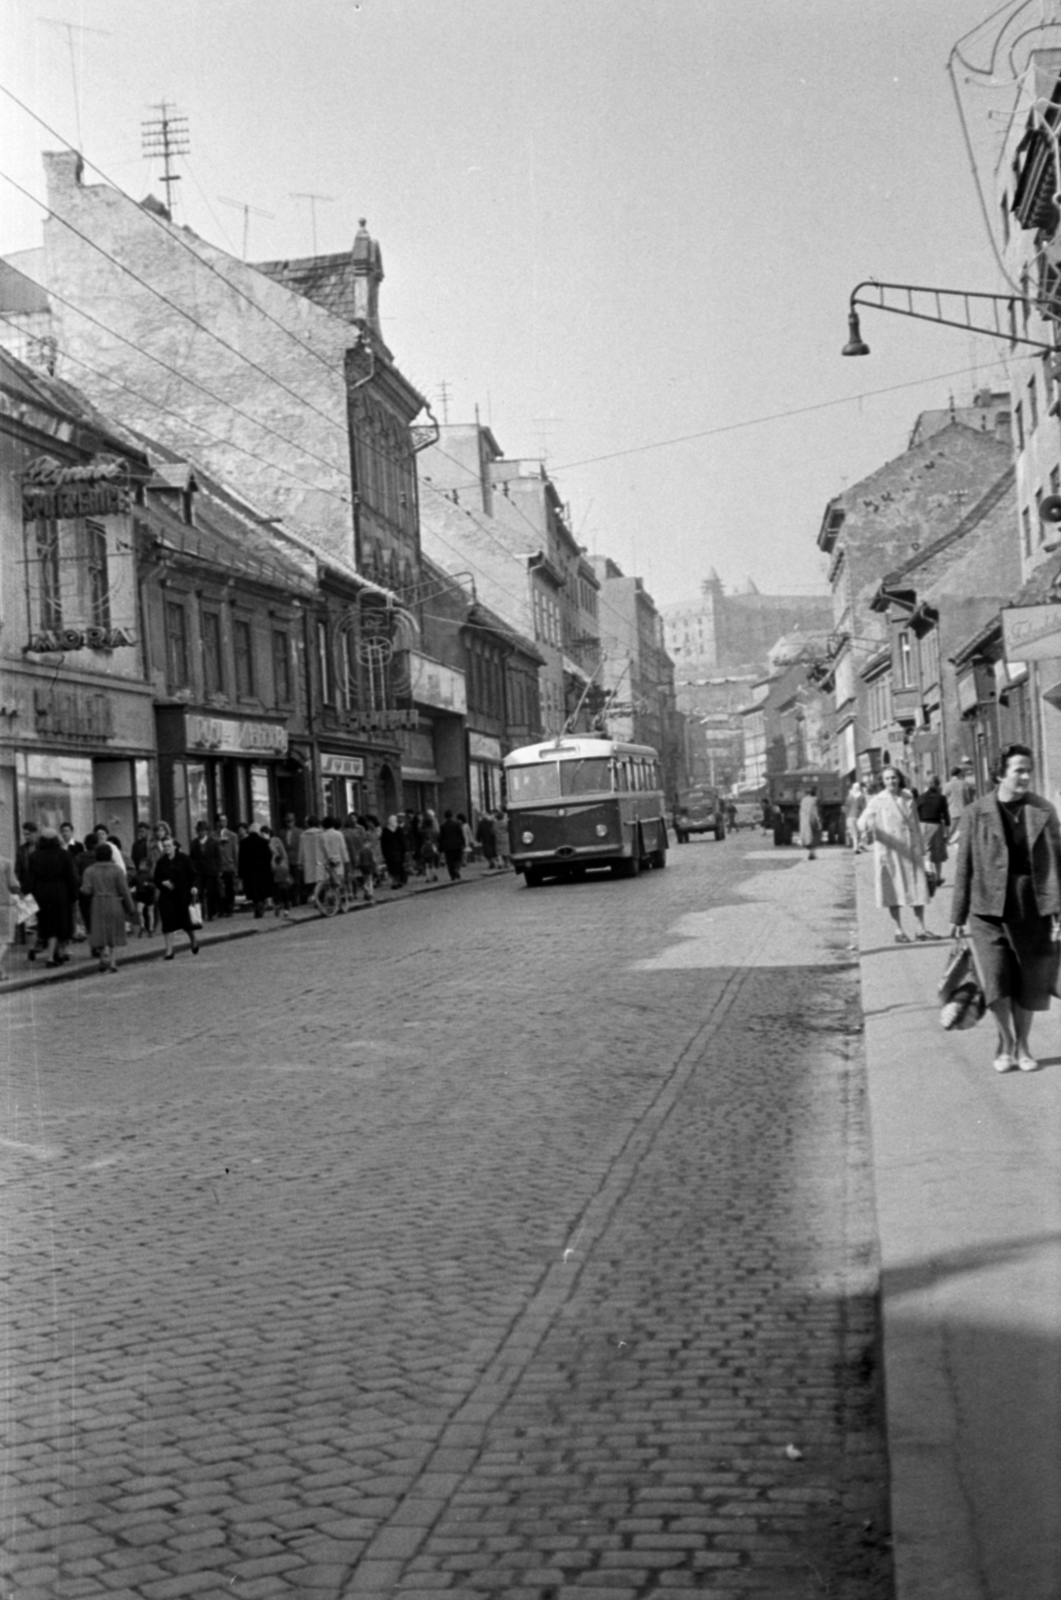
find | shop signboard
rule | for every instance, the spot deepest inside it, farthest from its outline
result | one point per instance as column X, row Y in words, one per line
column 233, row 736
column 97, row 488
column 335, row 766
column 436, row 685
column 482, row 748
column 1032, row 633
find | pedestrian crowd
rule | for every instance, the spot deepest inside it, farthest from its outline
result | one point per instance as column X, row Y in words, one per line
column 60, row 891
column 1006, row 904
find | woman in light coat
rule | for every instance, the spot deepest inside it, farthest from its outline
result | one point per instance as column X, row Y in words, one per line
column 890, row 820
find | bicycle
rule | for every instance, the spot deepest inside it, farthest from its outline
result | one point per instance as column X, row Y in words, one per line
column 333, row 894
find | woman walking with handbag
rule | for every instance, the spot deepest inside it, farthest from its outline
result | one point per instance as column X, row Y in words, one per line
column 177, row 890
column 1007, row 892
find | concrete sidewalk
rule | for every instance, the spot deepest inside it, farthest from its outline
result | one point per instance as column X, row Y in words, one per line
column 25, row 974
column 968, row 1184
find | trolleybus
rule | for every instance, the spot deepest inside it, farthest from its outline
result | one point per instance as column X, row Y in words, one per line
column 575, row 803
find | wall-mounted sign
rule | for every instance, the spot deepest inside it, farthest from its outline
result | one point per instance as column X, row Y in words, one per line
column 1031, row 633
column 232, row 736
column 53, row 640
column 99, row 488
column 73, row 714
column 482, row 748
column 381, row 721
column 342, row 766
column 436, row 685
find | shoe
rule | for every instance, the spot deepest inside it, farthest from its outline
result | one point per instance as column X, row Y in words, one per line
column 169, row 955
column 113, row 967
column 1027, row 1063
column 195, row 947
column 902, row 938
column 1004, row 1062
column 103, row 966
column 924, row 936
column 53, row 963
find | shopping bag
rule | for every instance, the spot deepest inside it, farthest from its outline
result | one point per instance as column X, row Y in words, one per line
column 195, row 915
column 26, row 908
column 961, row 991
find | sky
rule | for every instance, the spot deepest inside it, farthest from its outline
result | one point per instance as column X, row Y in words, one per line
column 608, row 224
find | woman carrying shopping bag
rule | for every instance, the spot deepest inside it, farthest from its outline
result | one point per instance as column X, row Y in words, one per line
column 1007, row 893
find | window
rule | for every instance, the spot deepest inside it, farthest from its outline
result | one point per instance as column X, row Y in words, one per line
column 1026, row 525
column 51, row 606
column 242, row 646
column 324, row 664
column 1004, row 203
column 281, row 668
column 1033, row 404
column 906, row 661
column 1038, row 514
column 213, row 663
column 98, row 582
column 1018, row 421
column 348, row 685
column 176, row 645
column 1055, row 481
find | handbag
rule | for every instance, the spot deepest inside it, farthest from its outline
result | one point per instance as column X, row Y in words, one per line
column 195, row 914
column 960, row 990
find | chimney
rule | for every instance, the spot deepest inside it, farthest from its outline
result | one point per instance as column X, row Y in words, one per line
column 368, row 275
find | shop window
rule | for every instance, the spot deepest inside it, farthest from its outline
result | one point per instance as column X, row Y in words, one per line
column 50, row 593
column 97, row 579
column 177, row 673
column 213, row 660
column 281, row 668
column 243, row 649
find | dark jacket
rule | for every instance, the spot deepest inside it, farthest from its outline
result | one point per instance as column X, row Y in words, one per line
column 983, row 859
column 933, row 807
column 176, row 883
column 451, row 837
column 53, row 883
column 256, row 867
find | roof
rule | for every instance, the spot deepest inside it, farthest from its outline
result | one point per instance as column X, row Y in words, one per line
column 326, row 280
column 35, row 388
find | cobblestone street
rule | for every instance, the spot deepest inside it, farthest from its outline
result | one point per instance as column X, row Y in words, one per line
column 495, row 1241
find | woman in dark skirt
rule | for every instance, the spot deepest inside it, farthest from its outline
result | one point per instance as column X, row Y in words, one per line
column 53, row 884
column 1007, row 893
column 176, row 884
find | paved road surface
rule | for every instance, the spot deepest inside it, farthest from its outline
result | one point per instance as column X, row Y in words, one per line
column 498, row 1242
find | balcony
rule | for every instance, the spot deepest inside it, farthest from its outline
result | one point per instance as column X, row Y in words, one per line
column 906, row 705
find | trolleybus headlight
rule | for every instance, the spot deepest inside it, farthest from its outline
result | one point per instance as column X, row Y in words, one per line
column 602, row 830
column 527, row 837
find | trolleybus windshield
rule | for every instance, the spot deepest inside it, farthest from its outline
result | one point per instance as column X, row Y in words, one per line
column 553, row 780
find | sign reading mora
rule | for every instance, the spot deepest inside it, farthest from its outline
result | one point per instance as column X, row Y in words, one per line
column 231, row 736
column 1031, row 633
column 99, row 488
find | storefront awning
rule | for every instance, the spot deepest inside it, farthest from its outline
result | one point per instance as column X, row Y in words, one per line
column 420, row 775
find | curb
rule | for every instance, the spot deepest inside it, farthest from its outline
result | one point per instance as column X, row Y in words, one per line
column 155, row 951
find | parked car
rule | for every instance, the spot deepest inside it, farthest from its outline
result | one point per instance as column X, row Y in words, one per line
column 699, row 811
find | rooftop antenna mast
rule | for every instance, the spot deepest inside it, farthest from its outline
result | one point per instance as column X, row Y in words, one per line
column 443, row 395
column 70, row 28
column 167, row 136
column 248, row 212
column 314, row 199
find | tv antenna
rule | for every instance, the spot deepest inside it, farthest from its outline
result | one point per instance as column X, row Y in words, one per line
column 70, row 28
column 248, row 212
column 443, row 395
column 167, row 136
column 314, row 200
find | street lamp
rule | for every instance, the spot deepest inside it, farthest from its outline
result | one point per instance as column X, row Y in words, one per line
column 926, row 304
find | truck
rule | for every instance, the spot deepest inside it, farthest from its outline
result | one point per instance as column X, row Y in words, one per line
column 699, row 810
column 785, row 790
